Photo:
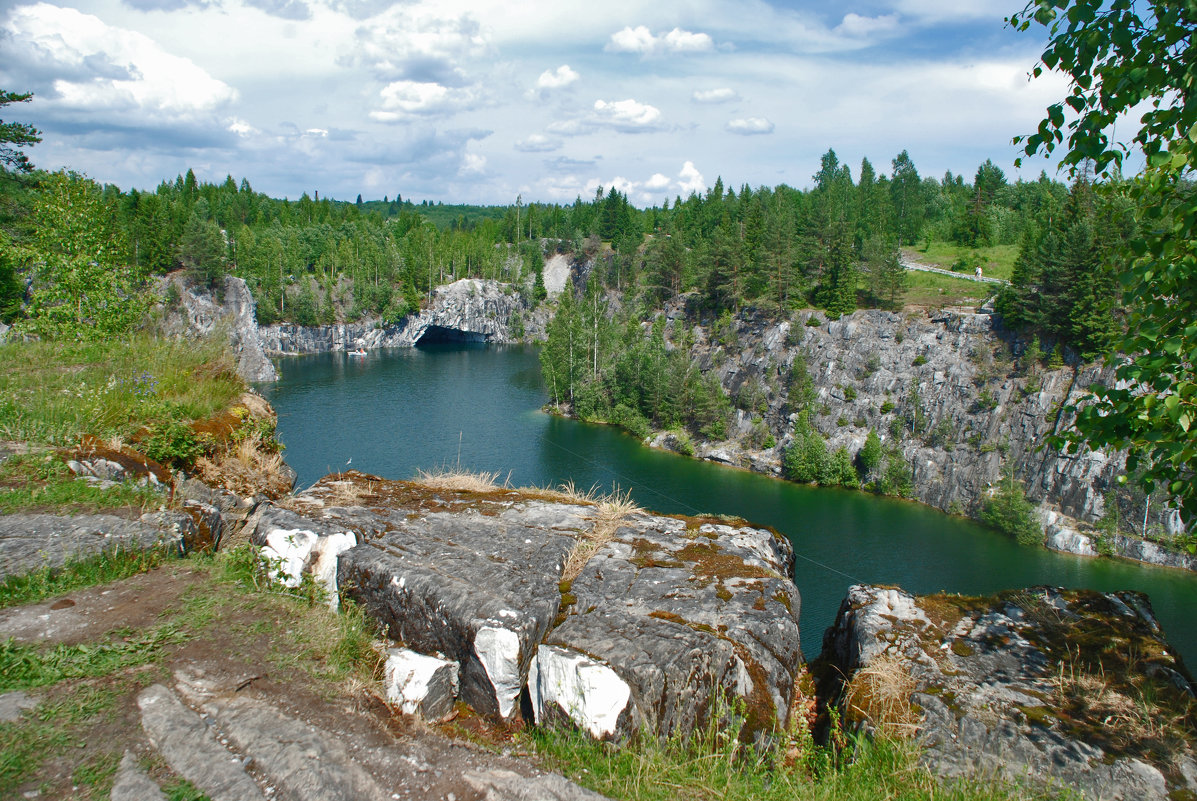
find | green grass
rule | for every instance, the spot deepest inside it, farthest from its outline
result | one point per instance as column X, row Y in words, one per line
column 933, row 289
column 878, row 770
column 998, row 260
column 44, row 482
column 54, row 392
column 24, row 667
column 24, row 746
column 108, row 566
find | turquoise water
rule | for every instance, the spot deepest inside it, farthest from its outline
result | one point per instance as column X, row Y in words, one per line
column 396, row 412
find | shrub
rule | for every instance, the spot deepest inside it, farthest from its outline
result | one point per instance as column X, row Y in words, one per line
column 869, row 456
column 631, row 420
column 1010, row 512
column 887, row 407
column 919, row 360
column 806, row 460
column 171, row 443
column 986, row 401
column 842, row 471
column 897, row 479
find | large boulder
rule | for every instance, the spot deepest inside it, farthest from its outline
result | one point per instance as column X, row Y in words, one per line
column 668, row 623
column 690, row 616
column 1056, row 686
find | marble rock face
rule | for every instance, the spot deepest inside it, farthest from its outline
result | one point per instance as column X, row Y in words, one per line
column 1054, row 686
column 667, row 621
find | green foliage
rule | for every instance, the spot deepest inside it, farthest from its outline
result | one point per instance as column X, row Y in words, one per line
column 1118, row 58
column 29, row 666
column 806, row 459
column 611, row 371
column 55, row 392
column 182, row 790
column 64, row 492
column 171, row 442
column 842, row 471
column 897, row 478
column 1010, row 512
column 1032, row 356
column 85, row 289
column 15, row 135
column 870, row 454
column 202, row 249
column 719, row 768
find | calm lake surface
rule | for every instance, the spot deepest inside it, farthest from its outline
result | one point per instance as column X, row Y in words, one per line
column 393, row 413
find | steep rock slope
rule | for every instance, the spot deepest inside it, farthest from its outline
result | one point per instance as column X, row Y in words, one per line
column 942, row 387
column 469, row 310
column 194, row 311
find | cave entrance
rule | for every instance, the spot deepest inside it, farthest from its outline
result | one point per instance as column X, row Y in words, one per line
column 438, row 335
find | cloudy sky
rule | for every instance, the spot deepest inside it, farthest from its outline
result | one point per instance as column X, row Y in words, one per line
column 473, row 101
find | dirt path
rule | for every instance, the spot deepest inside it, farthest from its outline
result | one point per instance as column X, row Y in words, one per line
column 913, row 264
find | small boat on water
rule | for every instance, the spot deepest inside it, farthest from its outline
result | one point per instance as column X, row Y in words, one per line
column 358, row 352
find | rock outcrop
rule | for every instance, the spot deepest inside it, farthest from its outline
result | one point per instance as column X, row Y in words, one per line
column 665, row 618
column 1054, row 686
column 193, row 312
column 469, row 310
column 941, row 387
column 30, row 542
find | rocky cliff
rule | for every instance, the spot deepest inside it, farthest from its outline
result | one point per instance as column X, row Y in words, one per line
column 194, row 311
column 942, row 387
column 469, row 310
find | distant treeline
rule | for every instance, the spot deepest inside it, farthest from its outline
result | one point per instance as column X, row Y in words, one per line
column 834, row 246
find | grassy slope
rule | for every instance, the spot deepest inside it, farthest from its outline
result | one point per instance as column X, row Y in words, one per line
column 53, row 393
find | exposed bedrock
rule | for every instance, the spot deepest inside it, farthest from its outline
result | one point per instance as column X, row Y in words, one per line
column 469, row 310
column 941, row 387
column 30, row 542
column 665, row 618
column 1056, row 686
column 683, row 613
column 192, row 312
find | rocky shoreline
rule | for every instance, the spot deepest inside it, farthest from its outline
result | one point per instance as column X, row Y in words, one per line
column 541, row 607
column 972, row 411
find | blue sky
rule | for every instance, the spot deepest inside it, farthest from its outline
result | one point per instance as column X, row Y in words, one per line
column 485, row 101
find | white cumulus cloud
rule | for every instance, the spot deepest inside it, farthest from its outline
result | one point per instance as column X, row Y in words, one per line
column 858, row 26
column 414, row 45
column 84, row 69
column 628, row 115
column 556, row 79
column 537, row 143
column 657, row 182
column 750, row 125
column 473, row 164
column 691, row 180
column 643, row 41
column 720, row 95
column 404, row 99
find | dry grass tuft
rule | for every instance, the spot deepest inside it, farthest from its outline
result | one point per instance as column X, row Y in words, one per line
column 612, row 510
column 880, row 695
column 348, row 492
column 459, row 480
column 246, row 468
column 1133, row 711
